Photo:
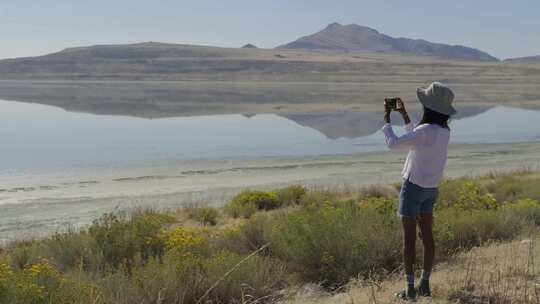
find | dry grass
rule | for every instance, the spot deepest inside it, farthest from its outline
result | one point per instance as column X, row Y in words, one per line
column 499, row 273
column 327, row 234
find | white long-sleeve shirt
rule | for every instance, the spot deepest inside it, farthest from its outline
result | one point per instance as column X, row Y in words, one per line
column 428, row 151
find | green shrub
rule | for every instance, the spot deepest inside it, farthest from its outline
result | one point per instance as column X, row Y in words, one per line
column 248, row 202
column 331, row 245
column 249, row 236
column 329, row 238
column 526, row 210
column 41, row 283
column 116, row 242
column 205, row 215
column 21, row 254
column 180, row 279
column 184, row 278
column 69, row 250
column 120, row 241
column 379, row 191
column 464, row 195
column 318, row 198
column 236, row 209
column 383, row 205
column 256, row 279
column 456, row 229
column 513, row 188
column 147, row 228
column 186, row 241
column 291, row 195
column 256, row 231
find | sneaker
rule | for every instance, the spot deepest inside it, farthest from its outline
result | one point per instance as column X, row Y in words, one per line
column 408, row 294
column 423, row 289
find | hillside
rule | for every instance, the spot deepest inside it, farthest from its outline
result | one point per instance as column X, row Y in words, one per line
column 166, row 61
column 525, row 60
column 164, row 80
column 113, row 61
column 357, row 38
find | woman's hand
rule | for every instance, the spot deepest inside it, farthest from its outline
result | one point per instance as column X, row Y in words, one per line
column 401, row 109
column 387, row 111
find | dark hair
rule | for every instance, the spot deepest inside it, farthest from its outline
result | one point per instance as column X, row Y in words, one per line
column 436, row 118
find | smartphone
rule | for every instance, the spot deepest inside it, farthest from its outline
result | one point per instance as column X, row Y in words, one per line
column 391, row 102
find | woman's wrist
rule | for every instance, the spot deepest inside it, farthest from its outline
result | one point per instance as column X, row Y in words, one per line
column 387, row 117
column 406, row 118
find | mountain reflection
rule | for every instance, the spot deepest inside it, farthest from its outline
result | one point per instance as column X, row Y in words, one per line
column 357, row 124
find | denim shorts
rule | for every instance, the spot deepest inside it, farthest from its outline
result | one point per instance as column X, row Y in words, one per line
column 414, row 199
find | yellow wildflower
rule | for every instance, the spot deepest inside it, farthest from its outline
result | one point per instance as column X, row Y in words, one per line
column 5, row 273
column 182, row 238
column 42, row 269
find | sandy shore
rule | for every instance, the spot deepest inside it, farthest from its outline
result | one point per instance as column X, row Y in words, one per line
column 40, row 203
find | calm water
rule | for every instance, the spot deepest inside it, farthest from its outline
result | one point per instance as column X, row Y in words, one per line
column 37, row 136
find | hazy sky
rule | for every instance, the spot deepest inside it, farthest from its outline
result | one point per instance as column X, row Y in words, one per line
column 504, row 28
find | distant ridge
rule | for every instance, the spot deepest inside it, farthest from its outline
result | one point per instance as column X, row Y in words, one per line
column 357, row 38
column 529, row 59
column 250, row 46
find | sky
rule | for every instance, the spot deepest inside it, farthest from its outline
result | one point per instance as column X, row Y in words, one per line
column 505, row 29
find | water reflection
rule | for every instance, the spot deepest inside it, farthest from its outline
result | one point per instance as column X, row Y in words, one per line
column 358, row 124
column 43, row 136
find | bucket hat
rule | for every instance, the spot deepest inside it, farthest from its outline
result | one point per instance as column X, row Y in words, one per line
column 437, row 97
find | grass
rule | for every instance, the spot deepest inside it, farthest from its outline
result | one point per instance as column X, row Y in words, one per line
column 495, row 273
column 337, row 239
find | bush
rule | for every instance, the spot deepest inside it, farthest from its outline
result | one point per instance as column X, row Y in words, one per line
column 116, row 242
column 180, row 279
column 236, row 210
column 385, row 206
column 526, row 210
column 329, row 237
column 184, row 239
column 456, row 229
column 330, row 245
column 249, row 236
column 254, row 279
column 121, row 241
column 69, row 250
column 185, row 278
column 247, row 202
column 41, row 283
column 22, row 254
column 318, row 198
column 379, row 191
column 205, row 215
column 291, row 195
column 512, row 188
column 464, row 195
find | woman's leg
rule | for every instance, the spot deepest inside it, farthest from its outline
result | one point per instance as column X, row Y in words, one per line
column 409, row 243
column 409, row 199
column 425, row 222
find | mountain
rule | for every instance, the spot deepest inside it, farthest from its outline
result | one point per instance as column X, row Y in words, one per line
column 525, row 60
column 249, row 46
column 128, row 61
column 357, row 38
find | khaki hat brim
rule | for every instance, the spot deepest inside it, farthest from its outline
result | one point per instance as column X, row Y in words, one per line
column 434, row 104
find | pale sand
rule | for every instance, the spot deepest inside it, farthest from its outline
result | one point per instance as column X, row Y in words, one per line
column 37, row 204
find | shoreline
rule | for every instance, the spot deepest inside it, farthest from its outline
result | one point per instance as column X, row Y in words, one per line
column 34, row 211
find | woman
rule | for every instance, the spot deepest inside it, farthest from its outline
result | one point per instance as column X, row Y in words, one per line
column 428, row 145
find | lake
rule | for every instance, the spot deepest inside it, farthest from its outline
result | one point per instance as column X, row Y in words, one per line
column 62, row 169
column 36, row 136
